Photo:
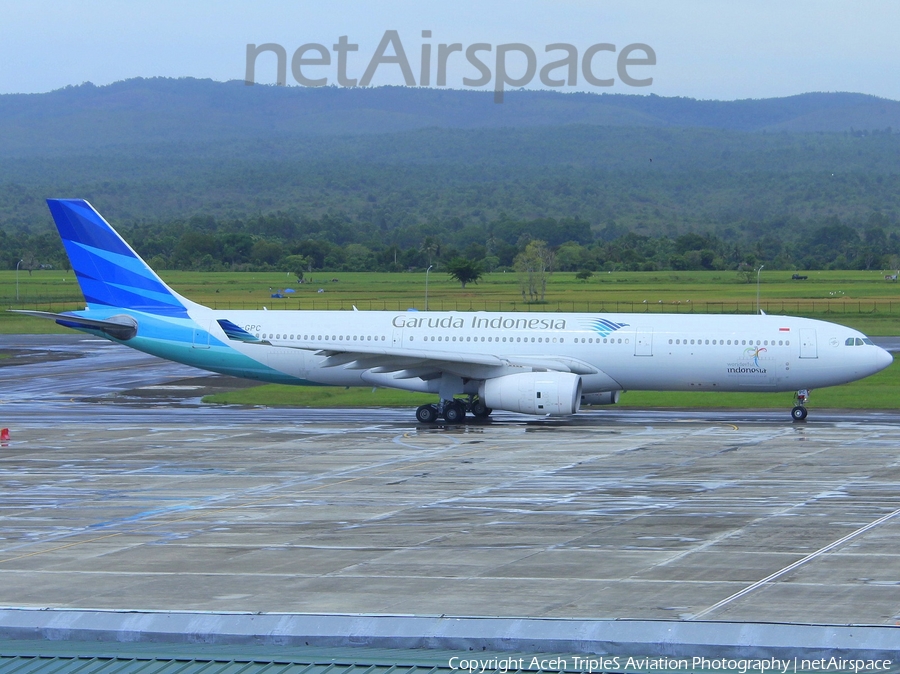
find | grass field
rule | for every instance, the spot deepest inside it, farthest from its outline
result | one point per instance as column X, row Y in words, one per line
column 860, row 299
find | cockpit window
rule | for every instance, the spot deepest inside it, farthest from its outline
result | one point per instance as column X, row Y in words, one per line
column 868, row 341
column 859, row 342
column 849, row 342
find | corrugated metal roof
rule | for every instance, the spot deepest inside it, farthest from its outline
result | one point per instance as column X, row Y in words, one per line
column 60, row 664
column 68, row 657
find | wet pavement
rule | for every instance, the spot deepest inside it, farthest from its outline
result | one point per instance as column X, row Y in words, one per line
column 119, row 489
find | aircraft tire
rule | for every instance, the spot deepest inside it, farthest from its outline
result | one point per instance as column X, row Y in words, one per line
column 427, row 414
column 454, row 413
column 799, row 413
column 480, row 410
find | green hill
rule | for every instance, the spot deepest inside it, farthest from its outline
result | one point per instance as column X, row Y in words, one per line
column 389, row 166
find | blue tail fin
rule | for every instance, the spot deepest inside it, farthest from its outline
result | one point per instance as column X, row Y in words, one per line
column 109, row 272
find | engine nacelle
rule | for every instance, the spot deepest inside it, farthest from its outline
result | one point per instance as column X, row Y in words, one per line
column 605, row 398
column 533, row 393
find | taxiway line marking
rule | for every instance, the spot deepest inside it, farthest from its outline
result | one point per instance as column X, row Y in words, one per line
column 201, row 512
column 800, row 562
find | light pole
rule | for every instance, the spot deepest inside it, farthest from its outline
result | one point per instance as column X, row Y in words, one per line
column 17, row 278
column 426, row 286
column 757, row 287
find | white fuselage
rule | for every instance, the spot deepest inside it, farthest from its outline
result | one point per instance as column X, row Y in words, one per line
column 672, row 352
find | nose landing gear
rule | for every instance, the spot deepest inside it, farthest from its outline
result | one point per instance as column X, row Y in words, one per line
column 799, row 412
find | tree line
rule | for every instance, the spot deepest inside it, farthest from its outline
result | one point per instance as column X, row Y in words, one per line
column 300, row 244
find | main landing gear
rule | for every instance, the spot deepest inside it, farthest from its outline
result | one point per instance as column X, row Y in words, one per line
column 453, row 411
column 799, row 412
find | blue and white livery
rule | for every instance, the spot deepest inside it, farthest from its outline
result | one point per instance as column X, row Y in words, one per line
column 534, row 363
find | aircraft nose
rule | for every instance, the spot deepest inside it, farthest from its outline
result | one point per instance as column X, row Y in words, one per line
column 883, row 358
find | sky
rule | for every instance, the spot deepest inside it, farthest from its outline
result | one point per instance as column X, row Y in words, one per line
column 704, row 48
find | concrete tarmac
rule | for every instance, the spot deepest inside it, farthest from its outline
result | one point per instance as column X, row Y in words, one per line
column 120, row 490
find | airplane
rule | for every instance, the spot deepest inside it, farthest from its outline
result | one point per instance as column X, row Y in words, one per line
column 474, row 362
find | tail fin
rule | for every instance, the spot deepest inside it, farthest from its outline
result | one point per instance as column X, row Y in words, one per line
column 109, row 272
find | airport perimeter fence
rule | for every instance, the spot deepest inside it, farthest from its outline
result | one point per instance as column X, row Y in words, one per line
column 780, row 307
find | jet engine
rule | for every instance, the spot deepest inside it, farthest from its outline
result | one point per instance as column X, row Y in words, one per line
column 605, row 398
column 533, row 393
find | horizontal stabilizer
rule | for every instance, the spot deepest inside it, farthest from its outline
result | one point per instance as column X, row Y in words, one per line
column 118, row 327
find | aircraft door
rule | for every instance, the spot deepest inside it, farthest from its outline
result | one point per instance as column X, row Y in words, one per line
column 643, row 342
column 397, row 338
column 201, row 338
column 808, row 343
